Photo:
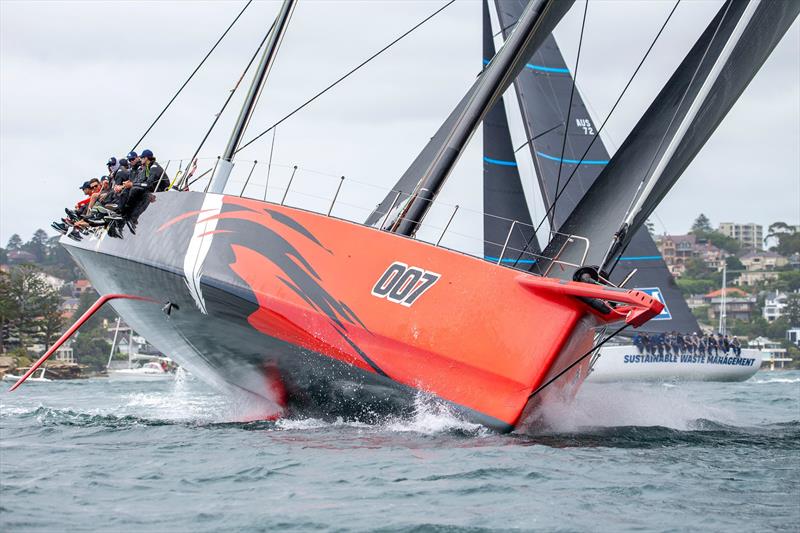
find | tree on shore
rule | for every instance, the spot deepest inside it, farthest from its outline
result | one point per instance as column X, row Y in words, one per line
column 701, row 228
column 29, row 308
column 14, row 243
column 37, row 245
column 9, row 311
column 701, row 224
column 788, row 238
column 792, row 311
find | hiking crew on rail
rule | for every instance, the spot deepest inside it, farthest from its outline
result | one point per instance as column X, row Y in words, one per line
column 676, row 343
column 117, row 199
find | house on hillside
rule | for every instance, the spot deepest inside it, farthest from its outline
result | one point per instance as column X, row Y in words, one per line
column 755, row 261
column 68, row 307
column 774, row 305
column 738, row 304
column 65, row 353
column 677, row 250
column 761, row 266
column 793, row 336
column 80, row 286
column 749, row 236
column 774, row 353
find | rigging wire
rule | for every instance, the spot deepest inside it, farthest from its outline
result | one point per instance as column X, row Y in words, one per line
column 569, row 106
column 185, row 83
column 545, row 132
column 269, row 163
column 281, row 36
column 347, row 75
column 503, row 30
column 227, row 101
column 600, row 129
column 594, row 348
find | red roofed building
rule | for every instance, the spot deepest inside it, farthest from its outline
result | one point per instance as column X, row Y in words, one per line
column 738, row 304
column 80, row 286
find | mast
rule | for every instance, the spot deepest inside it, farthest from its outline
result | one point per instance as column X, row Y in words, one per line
column 484, row 94
column 723, row 297
column 113, row 343
column 223, row 170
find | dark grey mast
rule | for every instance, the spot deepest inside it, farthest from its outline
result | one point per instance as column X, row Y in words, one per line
column 503, row 196
column 674, row 128
column 225, row 165
column 430, row 170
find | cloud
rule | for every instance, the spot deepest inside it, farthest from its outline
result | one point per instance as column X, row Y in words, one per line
column 80, row 81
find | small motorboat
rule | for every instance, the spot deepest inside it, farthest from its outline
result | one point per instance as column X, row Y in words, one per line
column 40, row 379
column 152, row 371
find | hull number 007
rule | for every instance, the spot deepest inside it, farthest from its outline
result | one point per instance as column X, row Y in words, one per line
column 403, row 284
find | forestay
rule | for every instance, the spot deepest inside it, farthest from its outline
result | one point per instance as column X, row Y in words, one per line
column 676, row 125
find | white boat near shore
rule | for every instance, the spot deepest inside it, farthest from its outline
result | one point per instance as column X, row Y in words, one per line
column 152, row 371
column 33, row 378
column 156, row 368
column 626, row 363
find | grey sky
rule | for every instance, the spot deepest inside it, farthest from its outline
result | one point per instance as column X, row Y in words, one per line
column 81, row 81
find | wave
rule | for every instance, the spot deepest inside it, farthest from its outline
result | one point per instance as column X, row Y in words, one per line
column 429, row 416
column 630, row 416
column 776, row 380
column 437, row 421
column 781, row 436
column 601, row 405
column 47, row 416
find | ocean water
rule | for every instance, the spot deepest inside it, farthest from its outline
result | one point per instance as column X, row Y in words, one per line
column 96, row 455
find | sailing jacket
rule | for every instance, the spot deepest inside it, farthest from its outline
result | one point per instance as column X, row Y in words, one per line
column 150, row 177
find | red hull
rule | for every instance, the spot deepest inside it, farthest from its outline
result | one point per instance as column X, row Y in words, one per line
column 476, row 334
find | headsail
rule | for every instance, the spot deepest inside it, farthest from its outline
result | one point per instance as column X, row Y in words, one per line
column 543, row 91
column 676, row 125
column 503, row 195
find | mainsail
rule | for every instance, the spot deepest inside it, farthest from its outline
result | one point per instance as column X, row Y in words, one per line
column 503, row 196
column 544, row 91
column 676, row 125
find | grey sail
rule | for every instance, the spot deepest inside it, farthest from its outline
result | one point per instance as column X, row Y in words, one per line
column 676, row 125
column 504, row 202
column 543, row 91
column 404, row 207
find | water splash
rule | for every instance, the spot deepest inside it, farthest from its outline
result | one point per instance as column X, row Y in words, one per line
column 433, row 416
column 632, row 405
